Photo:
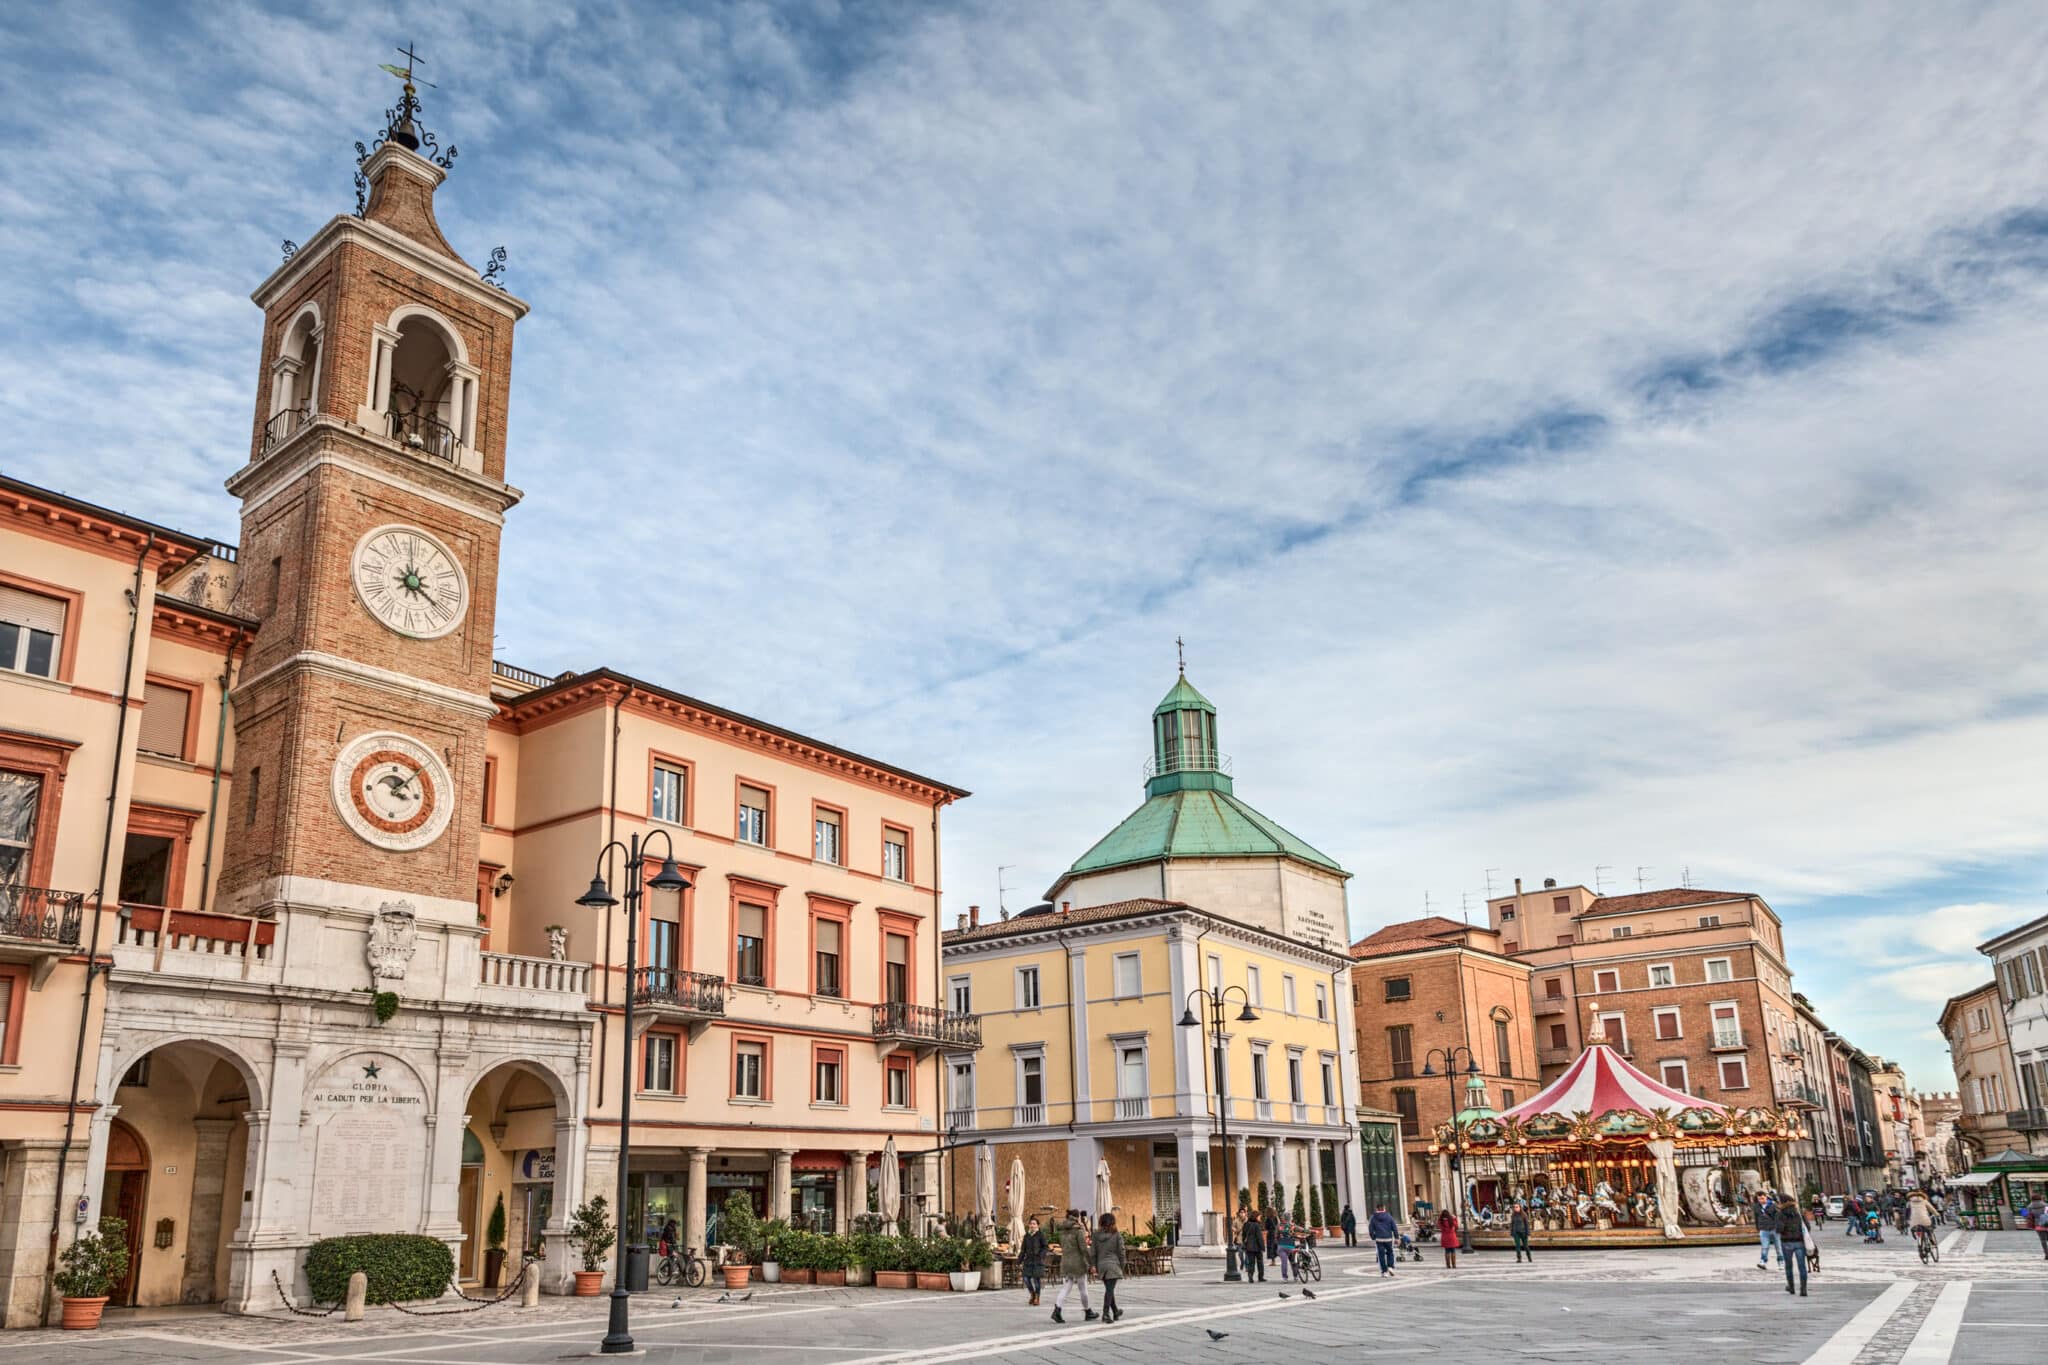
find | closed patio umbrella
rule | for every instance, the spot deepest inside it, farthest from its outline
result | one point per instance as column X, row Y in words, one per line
column 1017, row 1201
column 892, row 1187
column 985, row 1190
column 1104, row 1196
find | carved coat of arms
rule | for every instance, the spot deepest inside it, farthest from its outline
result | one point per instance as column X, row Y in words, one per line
column 392, row 939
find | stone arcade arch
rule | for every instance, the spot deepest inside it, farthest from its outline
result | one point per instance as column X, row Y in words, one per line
column 523, row 1116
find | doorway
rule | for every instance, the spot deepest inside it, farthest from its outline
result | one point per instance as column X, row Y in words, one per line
column 125, row 1195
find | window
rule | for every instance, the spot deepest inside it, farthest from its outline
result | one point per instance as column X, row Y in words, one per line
column 664, row 938
column 1130, row 1071
column 752, row 827
column 1322, row 1001
column 961, row 1092
column 1252, row 986
column 1501, row 1050
column 1667, row 1024
column 960, row 990
column 31, row 630
column 1287, row 993
column 1124, row 975
column 1565, row 940
column 750, row 1071
column 1411, row 1117
column 255, row 791
column 1329, row 1082
column 20, row 796
column 164, row 712
column 1259, row 1074
column 897, row 1077
column 895, row 968
column 1720, row 969
column 1507, row 915
column 1507, row 1098
column 1558, row 1037
column 1027, row 988
column 490, row 811
column 1215, row 972
column 1401, row 1051
column 1397, row 988
column 1709, row 921
column 1553, row 988
column 828, row 979
column 749, row 965
column 658, row 1064
column 895, row 854
column 1660, row 974
column 829, row 1065
column 670, row 794
column 1734, row 1073
column 825, row 836
column 1621, row 931
column 1979, row 1020
column 1561, row 905
column 1613, row 1030
column 1294, row 1090
column 1673, row 1075
column 1031, row 1079
column 1607, row 980
column 1727, row 1026
column 1510, row 947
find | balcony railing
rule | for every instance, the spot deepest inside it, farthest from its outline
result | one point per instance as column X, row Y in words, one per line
column 532, row 977
column 1187, row 760
column 1300, row 1112
column 514, row 673
column 1133, row 1107
column 423, row 432
column 192, row 931
column 666, row 990
column 1727, row 1040
column 1801, row 1093
column 37, row 916
column 1030, row 1115
column 284, row 425
column 2027, row 1120
column 927, row 1026
column 1550, row 1004
column 959, row 1119
column 1553, row 1056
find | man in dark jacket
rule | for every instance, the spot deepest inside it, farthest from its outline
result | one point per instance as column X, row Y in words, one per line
column 1791, row 1231
column 1382, row 1230
column 1254, row 1244
column 1349, row 1222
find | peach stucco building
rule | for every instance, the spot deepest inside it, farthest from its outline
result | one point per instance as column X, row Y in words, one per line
column 327, row 852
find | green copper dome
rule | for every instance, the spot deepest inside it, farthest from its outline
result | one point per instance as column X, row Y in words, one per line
column 1191, row 808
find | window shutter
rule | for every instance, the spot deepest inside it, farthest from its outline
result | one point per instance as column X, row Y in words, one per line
column 32, row 610
column 753, row 922
column 828, row 936
column 899, row 950
column 163, row 719
column 665, row 905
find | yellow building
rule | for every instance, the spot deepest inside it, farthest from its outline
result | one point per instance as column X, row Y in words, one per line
column 1085, row 1060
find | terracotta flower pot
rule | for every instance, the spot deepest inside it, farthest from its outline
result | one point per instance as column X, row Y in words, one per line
column 82, row 1315
column 832, row 1278
column 588, row 1282
column 792, row 1276
column 735, row 1275
column 934, row 1279
column 894, row 1279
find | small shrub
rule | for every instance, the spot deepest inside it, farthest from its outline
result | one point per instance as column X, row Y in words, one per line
column 739, row 1225
column 386, row 1005
column 591, row 1232
column 1264, row 1204
column 93, row 1264
column 831, row 1253
column 400, row 1266
column 494, row 1230
column 1300, row 1207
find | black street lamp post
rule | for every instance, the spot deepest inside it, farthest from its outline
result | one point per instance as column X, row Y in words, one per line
column 618, row 1338
column 1212, row 1004
column 1450, row 1057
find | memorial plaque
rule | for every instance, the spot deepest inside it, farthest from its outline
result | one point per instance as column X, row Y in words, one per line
column 370, row 1148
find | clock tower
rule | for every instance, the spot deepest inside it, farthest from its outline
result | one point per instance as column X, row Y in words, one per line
column 372, row 505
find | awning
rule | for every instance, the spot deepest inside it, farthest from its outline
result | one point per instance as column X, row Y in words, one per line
column 1974, row 1178
column 815, row 1163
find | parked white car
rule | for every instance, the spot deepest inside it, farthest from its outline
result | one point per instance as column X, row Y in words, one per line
column 1837, row 1206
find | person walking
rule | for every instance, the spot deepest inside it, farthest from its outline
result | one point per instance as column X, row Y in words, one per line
column 1349, row 1222
column 1383, row 1232
column 1252, row 1238
column 2037, row 1214
column 1031, row 1259
column 1792, row 1233
column 1289, row 1239
column 1447, row 1233
column 1073, row 1266
column 1767, row 1232
column 1108, row 1256
column 1518, row 1229
column 1269, row 1225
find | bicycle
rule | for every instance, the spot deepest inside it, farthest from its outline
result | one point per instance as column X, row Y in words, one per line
column 1308, row 1265
column 690, row 1268
column 1930, row 1250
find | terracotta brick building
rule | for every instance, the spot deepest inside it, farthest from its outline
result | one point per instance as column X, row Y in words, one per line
column 1426, row 986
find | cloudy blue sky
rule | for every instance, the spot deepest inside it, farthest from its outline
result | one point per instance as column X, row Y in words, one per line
column 1566, row 436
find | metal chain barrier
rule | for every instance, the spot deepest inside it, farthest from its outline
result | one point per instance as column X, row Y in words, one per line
column 476, row 1305
column 286, row 1299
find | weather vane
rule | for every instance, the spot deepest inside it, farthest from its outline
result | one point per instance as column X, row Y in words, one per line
column 1181, row 649
column 405, row 73
column 401, row 125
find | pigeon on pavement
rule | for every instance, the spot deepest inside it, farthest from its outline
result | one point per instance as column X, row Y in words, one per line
column 724, row 1298
column 1215, row 1335
column 1308, row 1293
column 1285, row 1295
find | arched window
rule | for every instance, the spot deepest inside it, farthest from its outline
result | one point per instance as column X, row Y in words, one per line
column 423, row 388
column 294, row 378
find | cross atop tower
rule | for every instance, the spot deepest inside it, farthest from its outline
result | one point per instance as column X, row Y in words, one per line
column 412, row 59
column 1180, row 648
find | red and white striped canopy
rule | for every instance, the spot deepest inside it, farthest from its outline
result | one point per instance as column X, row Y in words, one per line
column 1599, row 1081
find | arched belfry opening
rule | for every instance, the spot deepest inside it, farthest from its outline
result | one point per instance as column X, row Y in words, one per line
column 426, row 389
column 294, row 379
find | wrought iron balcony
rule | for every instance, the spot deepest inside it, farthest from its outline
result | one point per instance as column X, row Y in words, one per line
column 37, row 917
column 284, row 425
column 695, row 998
column 1799, row 1093
column 1727, row 1040
column 423, row 432
column 926, row 1028
column 2027, row 1120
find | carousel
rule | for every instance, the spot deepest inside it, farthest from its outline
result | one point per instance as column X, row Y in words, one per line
column 1604, row 1155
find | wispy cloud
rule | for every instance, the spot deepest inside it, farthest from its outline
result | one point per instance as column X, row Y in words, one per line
column 1566, row 435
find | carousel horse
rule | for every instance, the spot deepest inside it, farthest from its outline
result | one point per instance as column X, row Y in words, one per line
column 1644, row 1208
column 1604, row 1201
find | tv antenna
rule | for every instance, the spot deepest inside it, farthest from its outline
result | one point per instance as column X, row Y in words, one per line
column 1685, row 877
column 1600, row 871
column 1489, row 881
column 1000, row 888
column 1640, row 870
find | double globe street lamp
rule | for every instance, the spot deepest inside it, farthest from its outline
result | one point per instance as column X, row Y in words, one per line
column 1450, row 1057
column 1212, row 1004
column 618, row 1338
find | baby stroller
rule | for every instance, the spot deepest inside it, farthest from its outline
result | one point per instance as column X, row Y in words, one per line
column 1873, row 1226
column 1407, row 1250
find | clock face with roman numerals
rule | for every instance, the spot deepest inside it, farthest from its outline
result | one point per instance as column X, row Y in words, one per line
column 410, row 582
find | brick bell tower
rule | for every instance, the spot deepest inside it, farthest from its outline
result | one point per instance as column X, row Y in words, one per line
column 372, row 506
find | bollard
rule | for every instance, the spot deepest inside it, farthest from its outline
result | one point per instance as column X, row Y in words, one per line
column 530, row 1296
column 358, row 1291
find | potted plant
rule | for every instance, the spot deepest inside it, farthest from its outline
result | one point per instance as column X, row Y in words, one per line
column 976, row 1256
column 829, row 1259
column 795, row 1249
column 89, row 1269
column 735, row 1270
column 591, row 1233
column 936, row 1261
column 890, row 1263
column 494, row 1244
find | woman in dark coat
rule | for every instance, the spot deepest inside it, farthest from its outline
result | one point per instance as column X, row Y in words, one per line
column 1031, row 1259
column 1252, row 1238
column 1107, row 1254
column 1447, row 1233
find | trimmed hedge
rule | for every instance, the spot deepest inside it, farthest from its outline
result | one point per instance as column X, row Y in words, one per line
column 401, row 1267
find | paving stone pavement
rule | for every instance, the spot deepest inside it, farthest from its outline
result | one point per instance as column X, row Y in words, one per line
column 1870, row 1305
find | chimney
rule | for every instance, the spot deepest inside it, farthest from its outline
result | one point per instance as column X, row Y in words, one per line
column 1065, row 906
column 1518, row 888
column 974, row 915
column 963, row 922
column 1550, row 883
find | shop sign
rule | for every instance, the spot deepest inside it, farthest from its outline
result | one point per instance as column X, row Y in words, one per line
column 538, row 1163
